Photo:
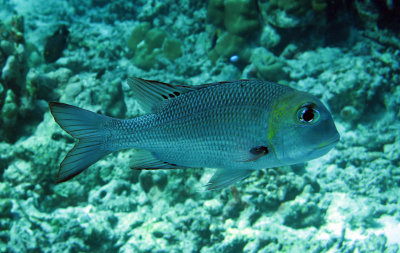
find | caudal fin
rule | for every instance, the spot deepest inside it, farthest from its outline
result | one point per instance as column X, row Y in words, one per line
column 86, row 126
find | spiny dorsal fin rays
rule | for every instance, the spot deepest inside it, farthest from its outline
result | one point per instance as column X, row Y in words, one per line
column 151, row 93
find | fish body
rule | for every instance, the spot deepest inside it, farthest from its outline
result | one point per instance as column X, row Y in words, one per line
column 236, row 127
column 55, row 44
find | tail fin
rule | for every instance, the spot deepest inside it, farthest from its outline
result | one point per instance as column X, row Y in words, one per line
column 86, row 126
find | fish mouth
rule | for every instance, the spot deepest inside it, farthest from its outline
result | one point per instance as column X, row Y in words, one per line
column 328, row 143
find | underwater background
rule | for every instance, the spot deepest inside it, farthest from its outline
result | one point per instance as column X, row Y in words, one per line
column 81, row 52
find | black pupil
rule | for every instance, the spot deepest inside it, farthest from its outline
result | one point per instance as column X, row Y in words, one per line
column 308, row 114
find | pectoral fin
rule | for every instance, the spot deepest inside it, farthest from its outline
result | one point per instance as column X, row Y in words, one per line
column 224, row 177
column 256, row 153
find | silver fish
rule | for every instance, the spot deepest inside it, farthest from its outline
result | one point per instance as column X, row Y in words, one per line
column 236, row 127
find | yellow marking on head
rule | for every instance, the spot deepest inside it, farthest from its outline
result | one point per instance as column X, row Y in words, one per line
column 279, row 113
column 284, row 110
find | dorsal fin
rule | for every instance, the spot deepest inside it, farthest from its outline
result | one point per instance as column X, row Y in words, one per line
column 151, row 93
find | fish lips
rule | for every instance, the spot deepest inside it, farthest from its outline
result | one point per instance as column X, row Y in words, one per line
column 325, row 146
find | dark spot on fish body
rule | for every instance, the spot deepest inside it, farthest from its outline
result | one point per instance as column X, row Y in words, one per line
column 259, row 150
column 171, row 95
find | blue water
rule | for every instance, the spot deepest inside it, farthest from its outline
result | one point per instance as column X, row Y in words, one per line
column 81, row 52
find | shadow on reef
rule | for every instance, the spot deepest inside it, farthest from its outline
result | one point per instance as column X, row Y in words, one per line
column 317, row 23
column 23, row 92
column 389, row 14
column 279, row 26
column 332, row 23
column 18, row 109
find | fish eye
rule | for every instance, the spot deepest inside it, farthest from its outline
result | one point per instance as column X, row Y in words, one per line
column 308, row 114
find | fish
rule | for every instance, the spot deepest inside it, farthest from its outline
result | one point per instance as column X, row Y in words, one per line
column 215, row 38
column 55, row 44
column 236, row 127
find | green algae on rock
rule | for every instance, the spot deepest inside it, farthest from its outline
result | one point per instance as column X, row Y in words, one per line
column 10, row 110
column 268, row 66
column 239, row 20
column 149, row 44
column 227, row 45
column 237, row 16
column 172, row 49
column 240, row 16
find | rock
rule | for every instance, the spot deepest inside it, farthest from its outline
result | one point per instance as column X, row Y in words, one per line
column 350, row 113
column 10, row 69
column 172, row 49
column 146, row 180
column 270, row 38
column 137, row 35
column 234, row 244
column 9, row 111
column 68, row 194
column 1, row 92
column 114, row 196
column 73, row 89
column 61, row 75
column 155, row 38
column 145, row 58
column 241, row 17
column 6, row 219
column 100, row 3
column 229, row 44
column 215, row 12
column 7, row 47
column 149, row 45
column 5, row 208
column 213, row 206
column 302, row 215
column 269, row 67
column 43, row 85
column 287, row 13
column 160, row 179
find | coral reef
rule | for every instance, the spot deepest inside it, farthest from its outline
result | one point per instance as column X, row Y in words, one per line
column 346, row 201
column 239, row 21
column 14, row 67
column 237, row 16
column 150, row 44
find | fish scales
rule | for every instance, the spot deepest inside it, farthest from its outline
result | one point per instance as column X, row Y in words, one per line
column 236, row 127
column 200, row 128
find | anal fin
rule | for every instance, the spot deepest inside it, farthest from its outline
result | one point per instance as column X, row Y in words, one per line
column 224, row 177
